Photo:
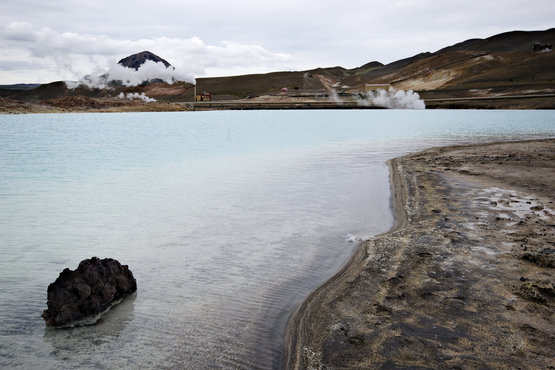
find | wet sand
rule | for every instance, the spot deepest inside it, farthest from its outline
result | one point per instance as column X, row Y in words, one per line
column 463, row 280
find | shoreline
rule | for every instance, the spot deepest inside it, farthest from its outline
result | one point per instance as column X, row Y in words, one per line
column 464, row 277
column 81, row 104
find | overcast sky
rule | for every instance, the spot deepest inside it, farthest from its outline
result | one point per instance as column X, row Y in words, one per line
column 45, row 41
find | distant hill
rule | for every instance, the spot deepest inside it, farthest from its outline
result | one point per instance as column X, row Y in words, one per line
column 177, row 91
column 135, row 61
column 8, row 90
column 19, row 86
column 522, row 41
column 503, row 64
column 52, row 90
column 504, row 61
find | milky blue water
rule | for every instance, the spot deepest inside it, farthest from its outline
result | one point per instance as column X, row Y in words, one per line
column 227, row 220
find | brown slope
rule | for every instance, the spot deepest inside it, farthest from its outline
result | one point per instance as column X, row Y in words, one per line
column 508, row 41
column 178, row 91
column 510, row 69
column 44, row 91
column 376, row 72
column 234, row 87
column 475, row 70
column 502, row 62
column 53, row 90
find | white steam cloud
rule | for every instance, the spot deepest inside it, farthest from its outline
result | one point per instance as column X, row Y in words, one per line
column 393, row 99
column 334, row 97
column 32, row 54
column 148, row 71
column 132, row 96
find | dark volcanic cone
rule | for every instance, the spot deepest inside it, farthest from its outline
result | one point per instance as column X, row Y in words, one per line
column 135, row 61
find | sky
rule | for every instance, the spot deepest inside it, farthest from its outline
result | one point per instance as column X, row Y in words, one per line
column 44, row 41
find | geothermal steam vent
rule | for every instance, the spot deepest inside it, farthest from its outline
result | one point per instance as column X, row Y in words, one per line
column 81, row 296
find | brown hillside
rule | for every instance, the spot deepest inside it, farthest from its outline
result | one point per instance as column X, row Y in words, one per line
column 235, row 87
column 501, row 65
column 508, row 41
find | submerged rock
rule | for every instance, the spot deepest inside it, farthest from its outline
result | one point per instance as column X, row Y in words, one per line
column 85, row 293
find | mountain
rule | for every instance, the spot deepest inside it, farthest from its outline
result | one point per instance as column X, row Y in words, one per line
column 517, row 41
column 9, row 90
column 503, row 65
column 135, row 61
column 19, row 86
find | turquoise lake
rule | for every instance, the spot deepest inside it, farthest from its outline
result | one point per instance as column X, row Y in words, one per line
column 227, row 219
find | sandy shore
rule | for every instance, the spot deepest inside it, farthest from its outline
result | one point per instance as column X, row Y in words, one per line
column 463, row 280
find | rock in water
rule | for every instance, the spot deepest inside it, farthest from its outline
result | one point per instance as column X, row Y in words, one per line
column 83, row 294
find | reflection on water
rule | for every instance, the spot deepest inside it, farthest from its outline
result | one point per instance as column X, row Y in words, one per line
column 69, row 344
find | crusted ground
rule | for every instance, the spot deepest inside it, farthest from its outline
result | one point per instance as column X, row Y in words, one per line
column 463, row 280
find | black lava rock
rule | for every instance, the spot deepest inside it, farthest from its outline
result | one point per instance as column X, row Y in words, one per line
column 91, row 289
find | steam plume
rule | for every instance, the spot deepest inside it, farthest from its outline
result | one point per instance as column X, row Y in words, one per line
column 393, row 99
column 135, row 95
column 334, row 97
column 130, row 77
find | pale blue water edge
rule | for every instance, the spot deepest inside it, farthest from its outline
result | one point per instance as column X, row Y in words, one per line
column 227, row 220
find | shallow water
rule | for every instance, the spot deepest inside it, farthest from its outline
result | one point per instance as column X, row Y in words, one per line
column 227, row 220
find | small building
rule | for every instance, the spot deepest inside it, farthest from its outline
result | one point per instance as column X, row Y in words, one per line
column 542, row 47
column 203, row 97
column 374, row 87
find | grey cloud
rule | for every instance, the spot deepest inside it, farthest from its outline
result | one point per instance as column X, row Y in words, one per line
column 225, row 36
column 14, row 65
column 76, row 55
